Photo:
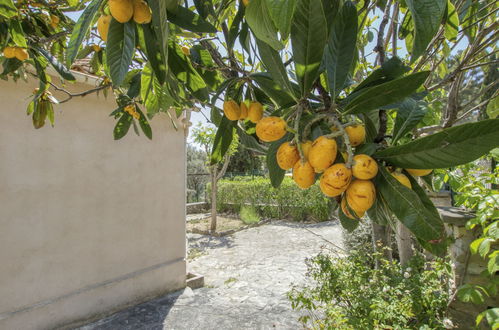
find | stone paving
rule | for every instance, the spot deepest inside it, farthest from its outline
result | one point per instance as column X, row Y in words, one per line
column 247, row 276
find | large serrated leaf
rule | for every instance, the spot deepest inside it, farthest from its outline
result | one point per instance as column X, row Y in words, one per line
column 427, row 16
column 58, row 66
column 80, row 30
column 340, row 48
column 281, row 12
column 160, row 27
column 258, row 19
column 409, row 114
column 384, row 94
column 391, row 69
column 308, row 38
column 120, row 49
column 152, row 50
column 249, row 142
column 272, row 89
column 188, row 20
column 407, row 206
column 223, row 139
column 451, row 147
column 273, row 63
column 122, row 126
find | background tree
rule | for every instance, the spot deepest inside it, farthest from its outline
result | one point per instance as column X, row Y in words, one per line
column 245, row 161
column 197, row 173
column 205, row 136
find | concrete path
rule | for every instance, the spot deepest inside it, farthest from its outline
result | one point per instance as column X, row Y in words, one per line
column 247, row 276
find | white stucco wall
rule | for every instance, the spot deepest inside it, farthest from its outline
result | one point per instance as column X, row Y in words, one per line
column 88, row 225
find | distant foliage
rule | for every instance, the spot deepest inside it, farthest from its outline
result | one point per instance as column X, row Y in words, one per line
column 287, row 201
column 348, row 293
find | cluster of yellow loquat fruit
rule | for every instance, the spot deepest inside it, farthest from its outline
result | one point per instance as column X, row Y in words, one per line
column 123, row 11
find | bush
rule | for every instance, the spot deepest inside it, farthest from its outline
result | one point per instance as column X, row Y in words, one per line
column 348, row 293
column 287, row 201
column 249, row 215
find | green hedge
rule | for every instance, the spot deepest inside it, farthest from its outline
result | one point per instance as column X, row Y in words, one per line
column 287, row 201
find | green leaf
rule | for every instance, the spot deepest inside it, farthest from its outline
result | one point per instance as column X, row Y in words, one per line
column 281, row 12
column 492, row 316
column 10, row 65
column 223, row 139
column 371, row 122
column 122, row 126
column 391, row 69
column 451, row 147
column 188, row 20
column 409, row 114
column 58, row 66
column 276, row 173
column 470, row 293
column 17, row 33
column 249, row 142
column 144, row 123
column 427, row 16
column 183, row 71
column 272, row 89
column 120, row 49
column 308, row 38
column 7, row 8
column 273, row 63
column 493, row 108
column 134, row 88
column 347, row 223
column 160, row 28
column 377, row 96
column 407, row 206
column 152, row 50
column 80, row 29
column 258, row 19
column 341, row 47
column 452, row 22
column 493, row 264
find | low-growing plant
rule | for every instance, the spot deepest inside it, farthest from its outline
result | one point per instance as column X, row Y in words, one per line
column 287, row 201
column 249, row 215
column 350, row 293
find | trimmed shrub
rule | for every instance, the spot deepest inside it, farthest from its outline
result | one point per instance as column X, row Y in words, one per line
column 287, row 201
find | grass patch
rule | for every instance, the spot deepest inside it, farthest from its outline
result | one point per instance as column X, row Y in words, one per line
column 249, row 215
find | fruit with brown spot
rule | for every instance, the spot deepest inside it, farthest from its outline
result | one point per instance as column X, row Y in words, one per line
column 287, row 155
column 270, row 129
column 356, row 134
column 303, row 174
column 364, row 167
column 322, row 153
column 345, row 210
column 335, row 180
column 361, row 195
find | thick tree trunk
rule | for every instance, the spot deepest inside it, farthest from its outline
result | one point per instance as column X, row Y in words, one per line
column 404, row 243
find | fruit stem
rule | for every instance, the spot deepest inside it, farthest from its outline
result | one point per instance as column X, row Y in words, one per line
column 346, row 140
column 299, row 111
column 308, row 127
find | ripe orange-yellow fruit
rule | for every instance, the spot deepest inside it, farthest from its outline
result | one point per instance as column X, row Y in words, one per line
column 347, row 212
column 402, row 179
column 103, row 26
column 185, row 50
column 54, row 21
column 303, row 174
column 244, row 111
column 231, row 110
column 270, row 129
column 255, row 112
column 21, row 54
column 141, row 12
column 356, row 134
column 323, row 153
column 361, row 195
column 305, row 147
column 121, row 10
column 337, row 177
column 364, row 167
column 96, row 48
column 9, row 52
column 246, row 3
column 287, row 156
column 418, row 172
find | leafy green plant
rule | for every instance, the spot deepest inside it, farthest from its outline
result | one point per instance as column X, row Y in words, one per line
column 474, row 184
column 349, row 293
column 249, row 215
column 287, row 201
